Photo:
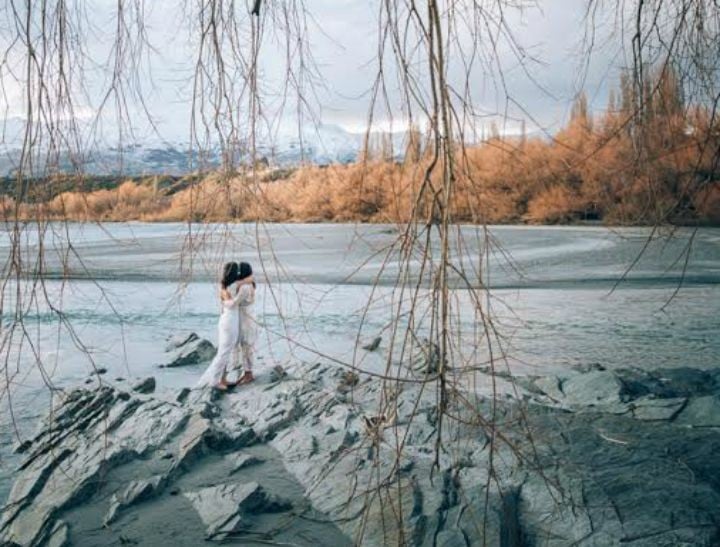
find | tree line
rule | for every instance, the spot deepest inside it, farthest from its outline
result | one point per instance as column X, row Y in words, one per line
column 648, row 158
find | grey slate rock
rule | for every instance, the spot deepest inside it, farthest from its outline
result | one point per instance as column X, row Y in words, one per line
column 178, row 340
column 375, row 344
column 227, row 508
column 193, row 439
column 550, row 386
column 242, row 461
column 701, row 412
column 451, row 538
column 22, row 447
column 59, row 535
column 644, row 477
column 657, row 409
column 90, row 433
column 194, row 350
column 183, row 395
column 135, row 492
column 146, row 385
column 277, row 373
column 593, row 388
column 668, row 383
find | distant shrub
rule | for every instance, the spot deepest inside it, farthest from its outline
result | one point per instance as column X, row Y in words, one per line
column 554, row 205
column 611, row 167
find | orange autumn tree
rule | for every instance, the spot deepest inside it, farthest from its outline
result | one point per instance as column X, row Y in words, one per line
column 626, row 165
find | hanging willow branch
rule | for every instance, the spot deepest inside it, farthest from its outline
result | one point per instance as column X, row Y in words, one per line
column 437, row 54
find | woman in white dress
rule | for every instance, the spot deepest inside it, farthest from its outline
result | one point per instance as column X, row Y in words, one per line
column 228, row 327
column 246, row 333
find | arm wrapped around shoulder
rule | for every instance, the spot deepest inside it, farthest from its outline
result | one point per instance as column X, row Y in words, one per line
column 246, row 295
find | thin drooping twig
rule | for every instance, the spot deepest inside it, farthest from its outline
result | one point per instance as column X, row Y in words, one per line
column 234, row 109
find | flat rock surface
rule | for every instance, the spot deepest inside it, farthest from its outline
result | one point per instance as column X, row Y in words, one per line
column 658, row 409
column 701, row 412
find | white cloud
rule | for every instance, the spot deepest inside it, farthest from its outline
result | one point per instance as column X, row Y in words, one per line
column 343, row 37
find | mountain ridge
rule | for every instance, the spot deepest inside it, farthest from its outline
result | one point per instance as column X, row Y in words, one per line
column 320, row 145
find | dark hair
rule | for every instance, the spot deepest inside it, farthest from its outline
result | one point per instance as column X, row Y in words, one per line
column 229, row 275
column 245, row 271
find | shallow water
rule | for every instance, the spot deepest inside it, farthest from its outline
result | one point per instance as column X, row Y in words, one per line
column 552, row 302
column 519, row 256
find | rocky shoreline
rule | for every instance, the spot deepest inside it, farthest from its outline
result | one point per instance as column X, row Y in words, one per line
column 320, row 455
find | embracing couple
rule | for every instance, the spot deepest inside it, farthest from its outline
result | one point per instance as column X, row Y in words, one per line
column 236, row 328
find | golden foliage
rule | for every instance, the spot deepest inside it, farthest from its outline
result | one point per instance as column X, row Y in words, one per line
column 622, row 167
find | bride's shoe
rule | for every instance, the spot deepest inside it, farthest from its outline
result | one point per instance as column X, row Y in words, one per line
column 246, row 378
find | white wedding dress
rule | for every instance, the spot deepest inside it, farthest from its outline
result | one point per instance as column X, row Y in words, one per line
column 228, row 335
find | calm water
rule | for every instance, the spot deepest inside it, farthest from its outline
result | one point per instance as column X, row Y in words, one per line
column 130, row 286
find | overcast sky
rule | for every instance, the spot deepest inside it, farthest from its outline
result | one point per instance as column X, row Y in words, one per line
column 343, row 39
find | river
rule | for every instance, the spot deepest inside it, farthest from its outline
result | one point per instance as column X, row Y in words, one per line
column 123, row 289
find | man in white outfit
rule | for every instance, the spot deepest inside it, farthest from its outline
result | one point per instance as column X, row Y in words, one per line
column 245, row 347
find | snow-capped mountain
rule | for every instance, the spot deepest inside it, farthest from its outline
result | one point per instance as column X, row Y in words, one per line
column 323, row 144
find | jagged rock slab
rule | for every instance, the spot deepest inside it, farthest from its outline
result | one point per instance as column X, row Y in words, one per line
column 94, row 431
column 243, row 461
column 658, row 409
column 150, row 426
column 189, row 350
column 59, row 536
column 146, row 385
column 227, row 508
column 701, row 412
column 550, row 386
column 636, row 480
column 193, row 439
column 612, row 459
column 277, row 373
column 374, row 344
column 597, row 387
column 182, row 396
column 135, row 492
column 178, row 340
